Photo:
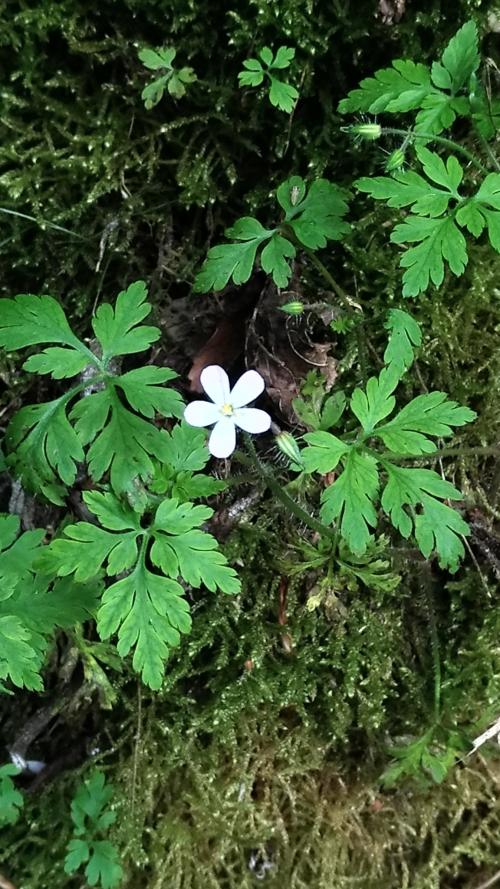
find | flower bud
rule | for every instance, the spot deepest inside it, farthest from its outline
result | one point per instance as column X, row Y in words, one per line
column 369, row 131
column 395, row 161
column 295, row 307
column 289, row 447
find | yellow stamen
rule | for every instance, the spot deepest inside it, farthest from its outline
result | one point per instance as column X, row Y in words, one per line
column 227, row 410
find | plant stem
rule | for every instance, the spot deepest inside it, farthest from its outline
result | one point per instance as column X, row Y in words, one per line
column 444, row 452
column 441, row 140
column 488, row 149
column 436, row 660
column 285, row 498
column 337, row 289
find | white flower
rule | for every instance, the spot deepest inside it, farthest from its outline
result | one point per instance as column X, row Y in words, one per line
column 228, row 410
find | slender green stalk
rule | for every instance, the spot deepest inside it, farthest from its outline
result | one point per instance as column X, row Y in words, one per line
column 42, row 222
column 441, row 140
column 443, row 452
column 488, row 149
column 285, row 498
column 322, row 269
column 436, row 659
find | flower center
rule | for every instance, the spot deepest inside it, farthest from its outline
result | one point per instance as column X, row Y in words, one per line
column 227, row 410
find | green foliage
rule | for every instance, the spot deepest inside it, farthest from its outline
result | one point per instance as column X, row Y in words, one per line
column 312, row 217
column 11, row 801
column 179, row 476
column 91, row 820
column 45, row 442
column 432, row 755
column 351, row 499
column 174, row 80
column 146, row 609
column 31, row 607
column 439, row 93
column 315, row 408
column 282, row 95
column 437, row 213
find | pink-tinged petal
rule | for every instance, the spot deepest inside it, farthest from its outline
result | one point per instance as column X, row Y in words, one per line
column 249, row 386
column 215, row 382
column 222, row 441
column 201, row 413
column 251, row 419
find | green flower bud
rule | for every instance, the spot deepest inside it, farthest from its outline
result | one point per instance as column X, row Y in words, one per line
column 369, row 131
column 295, row 307
column 395, row 161
column 289, row 447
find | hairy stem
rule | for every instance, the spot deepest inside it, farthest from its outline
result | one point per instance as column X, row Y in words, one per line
column 287, row 501
column 441, row 140
column 443, row 452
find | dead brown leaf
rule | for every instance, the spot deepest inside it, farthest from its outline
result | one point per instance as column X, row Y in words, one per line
column 223, row 348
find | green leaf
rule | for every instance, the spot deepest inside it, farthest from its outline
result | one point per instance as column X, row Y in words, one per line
column 350, row 499
column 149, row 613
column 315, row 217
column 250, row 78
column 156, row 59
column 283, row 57
column 118, row 328
column 142, row 389
column 19, row 661
column 396, row 89
column 16, row 556
column 78, row 852
column 232, row 261
column 45, row 447
column 266, row 55
column 438, row 113
column 27, row 320
column 282, row 95
column 91, row 818
column 438, row 526
column 153, row 92
column 460, row 59
column 438, row 240
column 323, row 452
column 123, row 443
column 59, row 363
column 407, row 188
column 11, row 801
column 274, row 258
column 405, row 336
column 377, row 402
column 104, row 867
column 176, row 83
column 180, row 548
column 332, row 410
column 429, row 414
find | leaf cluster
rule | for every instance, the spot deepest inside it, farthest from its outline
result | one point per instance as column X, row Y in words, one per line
column 150, row 552
column 438, row 212
column 92, row 819
column 312, row 216
column 174, row 80
column 109, row 424
column 431, row 755
column 281, row 94
column 413, row 499
column 11, row 800
column 440, row 93
column 32, row 606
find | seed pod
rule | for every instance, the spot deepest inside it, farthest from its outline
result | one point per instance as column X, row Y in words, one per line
column 369, row 131
column 395, row 161
column 295, row 307
column 289, row 447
